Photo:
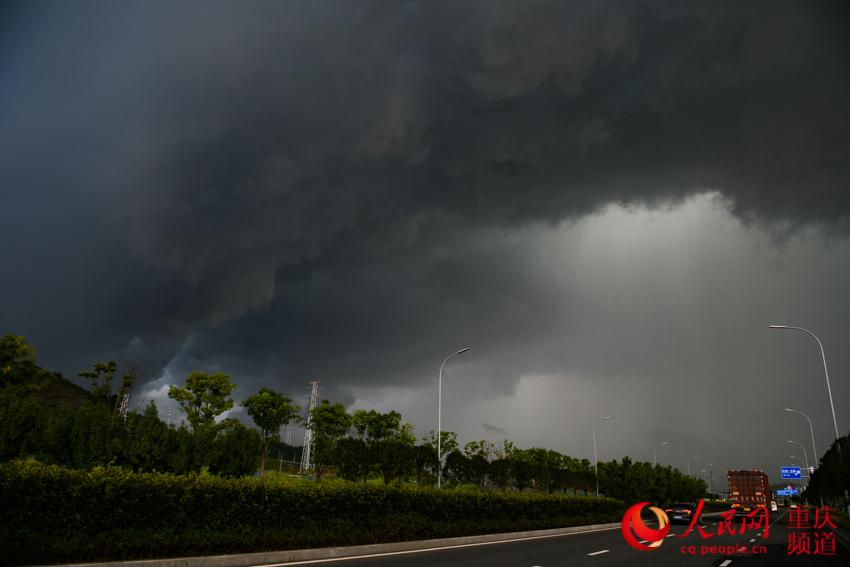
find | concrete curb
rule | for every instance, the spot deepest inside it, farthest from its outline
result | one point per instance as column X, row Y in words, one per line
column 282, row 557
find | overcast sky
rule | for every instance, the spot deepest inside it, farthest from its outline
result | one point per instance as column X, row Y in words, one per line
column 607, row 202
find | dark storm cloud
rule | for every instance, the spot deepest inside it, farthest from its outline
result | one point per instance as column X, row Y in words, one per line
column 315, row 188
column 299, row 133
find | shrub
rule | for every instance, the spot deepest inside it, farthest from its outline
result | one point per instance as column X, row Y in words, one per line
column 52, row 514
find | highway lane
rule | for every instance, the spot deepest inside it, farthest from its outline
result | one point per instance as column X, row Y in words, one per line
column 608, row 548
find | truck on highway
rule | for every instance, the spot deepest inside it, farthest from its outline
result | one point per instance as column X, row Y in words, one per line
column 748, row 490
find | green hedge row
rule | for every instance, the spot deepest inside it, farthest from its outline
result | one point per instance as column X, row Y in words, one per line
column 51, row 514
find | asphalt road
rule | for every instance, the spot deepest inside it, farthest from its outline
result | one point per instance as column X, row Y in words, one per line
column 752, row 548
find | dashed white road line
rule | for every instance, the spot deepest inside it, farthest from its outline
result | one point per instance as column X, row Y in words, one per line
column 725, row 563
column 599, row 552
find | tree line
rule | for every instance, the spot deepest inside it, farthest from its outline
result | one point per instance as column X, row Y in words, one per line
column 830, row 481
column 356, row 446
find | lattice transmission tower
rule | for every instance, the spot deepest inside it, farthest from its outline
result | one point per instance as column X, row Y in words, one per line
column 308, row 435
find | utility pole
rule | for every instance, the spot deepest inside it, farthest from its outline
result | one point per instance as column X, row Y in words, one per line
column 308, row 435
column 125, row 404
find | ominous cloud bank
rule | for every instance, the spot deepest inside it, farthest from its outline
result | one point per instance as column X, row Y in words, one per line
column 350, row 191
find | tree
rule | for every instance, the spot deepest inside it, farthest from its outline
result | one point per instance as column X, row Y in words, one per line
column 425, row 462
column 478, row 467
column 405, row 435
column 82, row 438
column 483, row 448
column 146, row 445
column 522, row 471
column 478, row 453
column 558, row 479
column 101, row 380
column 360, row 422
column 17, row 364
column 500, row 473
column 544, row 462
column 376, row 426
column 234, row 450
column 270, row 410
column 580, row 475
column 457, row 467
column 22, row 426
column 394, row 457
column 353, row 459
column 187, row 451
column 542, row 475
column 448, row 442
column 329, row 423
column 205, row 397
column 832, row 477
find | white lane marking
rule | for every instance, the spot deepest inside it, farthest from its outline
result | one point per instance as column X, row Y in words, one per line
column 645, row 541
column 725, row 563
column 599, row 552
column 752, row 541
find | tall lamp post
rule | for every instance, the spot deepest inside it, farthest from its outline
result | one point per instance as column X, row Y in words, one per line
column 689, row 464
column 812, row 429
column 825, row 372
column 805, row 454
column 655, row 460
column 440, row 414
column 828, row 391
column 595, row 461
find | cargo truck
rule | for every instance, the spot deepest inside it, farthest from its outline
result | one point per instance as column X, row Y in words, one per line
column 748, row 491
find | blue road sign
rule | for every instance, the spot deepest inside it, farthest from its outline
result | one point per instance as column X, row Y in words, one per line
column 792, row 472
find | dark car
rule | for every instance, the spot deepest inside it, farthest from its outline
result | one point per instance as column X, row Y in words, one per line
column 682, row 513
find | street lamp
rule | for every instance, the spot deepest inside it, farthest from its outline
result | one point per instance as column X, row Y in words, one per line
column 804, row 453
column 823, row 356
column 689, row 465
column 654, row 460
column 828, row 391
column 440, row 414
column 595, row 462
column 812, row 429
